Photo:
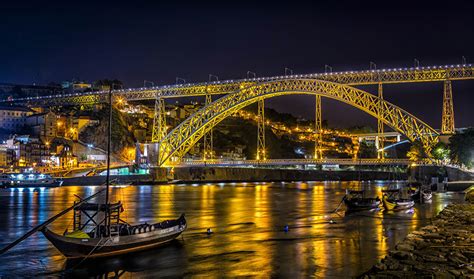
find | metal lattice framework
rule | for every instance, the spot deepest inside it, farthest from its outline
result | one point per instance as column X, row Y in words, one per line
column 208, row 138
column 318, row 127
column 177, row 143
column 397, row 75
column 261, row 148
column 159, row 120
column 447, row 121
column 380, row 138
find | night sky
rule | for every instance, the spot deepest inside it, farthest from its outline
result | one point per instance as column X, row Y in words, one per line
column 158, row 42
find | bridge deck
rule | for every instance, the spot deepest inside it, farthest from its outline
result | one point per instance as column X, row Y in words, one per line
column 397, row 75
column 290, row 162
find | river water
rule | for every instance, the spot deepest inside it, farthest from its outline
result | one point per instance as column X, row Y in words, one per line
column 247, row 220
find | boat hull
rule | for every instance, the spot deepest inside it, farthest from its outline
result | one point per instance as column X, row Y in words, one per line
column 361, row 204
column 113, row 245
column 395, row 205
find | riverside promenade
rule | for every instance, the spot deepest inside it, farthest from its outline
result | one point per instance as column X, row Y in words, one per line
column 444, row 249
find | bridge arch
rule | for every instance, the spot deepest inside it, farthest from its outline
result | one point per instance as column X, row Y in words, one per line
column 178, row 142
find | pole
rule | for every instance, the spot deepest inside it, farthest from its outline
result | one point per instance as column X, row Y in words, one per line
column 109, row 135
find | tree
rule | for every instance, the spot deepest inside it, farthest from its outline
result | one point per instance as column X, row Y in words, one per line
column 461, row 148
column 440, row 151
column 367, row 150
column 416, row 152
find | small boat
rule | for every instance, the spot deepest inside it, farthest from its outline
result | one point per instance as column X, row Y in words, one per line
column 422, row 195
column 392, row 201
column 118, row 237
column 13, row 180
column 356, row 201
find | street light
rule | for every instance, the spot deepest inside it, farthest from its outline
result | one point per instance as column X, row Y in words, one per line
column 372, row 66
column 288, row 70
column 249, row 73
column 147, row 81
column 416, row 63
column 326, row 68
column 180, row 79
column 213, row 76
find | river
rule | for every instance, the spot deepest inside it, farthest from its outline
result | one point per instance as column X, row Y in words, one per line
column 247, row 220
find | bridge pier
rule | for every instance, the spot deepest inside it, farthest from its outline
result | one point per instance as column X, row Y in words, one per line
column 208, row 142
column 261, row 153
column 380, row 137
column 447, row 123
column 159, row 120
column 318, row 129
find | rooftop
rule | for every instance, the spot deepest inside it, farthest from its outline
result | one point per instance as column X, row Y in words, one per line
column 16, row 108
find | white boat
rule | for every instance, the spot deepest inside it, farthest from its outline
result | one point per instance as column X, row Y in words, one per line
column 11, row 180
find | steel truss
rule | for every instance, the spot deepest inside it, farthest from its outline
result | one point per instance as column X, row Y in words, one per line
column 400, row 75
column 208, row 142
column 318, row 129
column 261, row 149
column 159, row 121
column 447, row 122
column 380, row 136
column 175, row 144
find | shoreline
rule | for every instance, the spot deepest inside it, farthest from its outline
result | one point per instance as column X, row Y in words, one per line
column 443, row 249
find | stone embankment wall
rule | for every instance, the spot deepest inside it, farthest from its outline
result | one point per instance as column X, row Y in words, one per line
column 215, row 174
column 425, row 173
column 444, row 249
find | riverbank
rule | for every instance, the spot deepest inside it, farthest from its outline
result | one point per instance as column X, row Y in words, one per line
column 444, row 249
column 222, row 175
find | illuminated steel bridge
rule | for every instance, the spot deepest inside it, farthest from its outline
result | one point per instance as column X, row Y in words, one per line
column 236, row 94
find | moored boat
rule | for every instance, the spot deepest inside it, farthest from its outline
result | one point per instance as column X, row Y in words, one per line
column 12, row 180
column 116, row 238
column 356, row 201
column 422, row 195
column 392, row 201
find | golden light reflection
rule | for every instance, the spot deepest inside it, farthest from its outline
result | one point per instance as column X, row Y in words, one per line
column 163, row 207
column 207, row 207
column 320, row 247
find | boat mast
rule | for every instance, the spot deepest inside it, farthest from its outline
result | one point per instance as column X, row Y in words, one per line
column 109, row 135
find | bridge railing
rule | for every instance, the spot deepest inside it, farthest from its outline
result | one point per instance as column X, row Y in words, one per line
column 276, row 162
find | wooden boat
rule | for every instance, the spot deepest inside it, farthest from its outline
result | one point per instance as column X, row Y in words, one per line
column 117, row 238
column 392, row 201
column 356, row 201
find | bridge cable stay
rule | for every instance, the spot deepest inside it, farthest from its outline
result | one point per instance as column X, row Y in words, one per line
column 261, row 152
column 447, row 125
column 318, row 129
column 380, row 128
column 208, row 142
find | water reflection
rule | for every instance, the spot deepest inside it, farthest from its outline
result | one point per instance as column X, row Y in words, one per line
column 248, row 221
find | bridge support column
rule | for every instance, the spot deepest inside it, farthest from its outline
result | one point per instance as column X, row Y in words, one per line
column 208, row 143
column 318, row 129
column 261, row 152
column 159, row 120
column 447, row 123
column 159, row 125
column 380, row 130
